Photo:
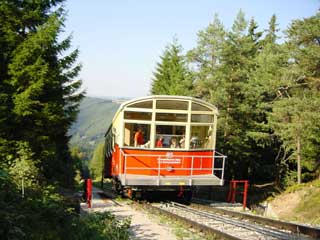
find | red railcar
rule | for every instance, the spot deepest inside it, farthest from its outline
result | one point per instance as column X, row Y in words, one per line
column 163, row 143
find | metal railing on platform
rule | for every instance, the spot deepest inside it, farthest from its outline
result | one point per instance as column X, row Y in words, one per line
column 198, row 163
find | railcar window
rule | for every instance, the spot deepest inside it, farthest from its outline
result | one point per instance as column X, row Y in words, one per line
column 202, row 118
column 199, row 107
column 137, row 135
column 137, row 115
column 170, row 136
column 201, row 137
column 144, row 104
column 170, row 104
column 171, row 117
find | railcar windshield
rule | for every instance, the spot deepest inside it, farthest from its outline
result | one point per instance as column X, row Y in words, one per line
column 169, row 123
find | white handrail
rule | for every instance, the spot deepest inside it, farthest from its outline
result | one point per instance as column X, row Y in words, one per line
column 158, row 157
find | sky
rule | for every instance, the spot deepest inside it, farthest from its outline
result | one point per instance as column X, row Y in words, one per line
column 120, row 41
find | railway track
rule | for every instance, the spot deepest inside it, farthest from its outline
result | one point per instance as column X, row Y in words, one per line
column 229, row 224
column 313, row 232
column 224, row 225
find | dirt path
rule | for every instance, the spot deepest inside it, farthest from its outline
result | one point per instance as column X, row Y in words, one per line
column 142, row 227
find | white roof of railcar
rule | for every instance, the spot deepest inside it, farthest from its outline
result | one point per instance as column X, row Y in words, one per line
column 164, row 97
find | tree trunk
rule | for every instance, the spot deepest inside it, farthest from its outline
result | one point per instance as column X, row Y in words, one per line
column 299, row 159
column 278, row 168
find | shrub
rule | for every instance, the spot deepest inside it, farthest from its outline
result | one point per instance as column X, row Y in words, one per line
column 98, row 226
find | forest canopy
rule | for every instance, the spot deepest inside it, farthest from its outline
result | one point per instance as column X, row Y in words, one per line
column 266, row 89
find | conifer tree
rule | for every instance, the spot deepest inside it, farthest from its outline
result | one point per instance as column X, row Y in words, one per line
column 295, row 116
column 172, row 76
column 224, row 61
column 37, row 82
column 206, row 58
column 237, row 62
column 271, row 36
column 264, row 82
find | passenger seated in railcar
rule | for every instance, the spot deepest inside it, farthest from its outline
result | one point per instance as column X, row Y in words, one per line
column 182, row 142
column 138, row 137
column 174, row 143
column 159, row 143
column 195, row 142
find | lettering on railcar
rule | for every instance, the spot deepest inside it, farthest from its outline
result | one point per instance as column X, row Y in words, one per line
column 168, row 159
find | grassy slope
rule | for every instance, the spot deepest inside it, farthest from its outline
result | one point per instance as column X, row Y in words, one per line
column 299, row 203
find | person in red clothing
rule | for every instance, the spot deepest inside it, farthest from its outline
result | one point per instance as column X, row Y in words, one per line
column 138, row 138
column 159, row 142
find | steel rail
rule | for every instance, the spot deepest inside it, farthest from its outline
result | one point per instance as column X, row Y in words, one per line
column 196, row 225
column 250, row 230
column 313, row 232
column 252, row 227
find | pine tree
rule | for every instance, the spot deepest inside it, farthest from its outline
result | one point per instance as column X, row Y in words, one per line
column 295, row 116
column 237, row 62
column 206, row 59
column 172, row 76
column 264, row 81
column 223, row 63
column 271, row 36
column 40, row 93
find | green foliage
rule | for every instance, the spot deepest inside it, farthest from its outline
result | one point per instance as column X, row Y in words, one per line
column 172, row 76
column 37, row 216
column 98, row 226
column 40, row 93
column 96, row 162
column 44, row 214
column 77, row 157
column 23, row 170
column 205, row 60
column 290, row 179
column 231, row 81
column 295, row 115
column 39, row 97
column 267, row 94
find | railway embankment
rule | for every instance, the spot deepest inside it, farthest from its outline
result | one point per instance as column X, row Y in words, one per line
column 299, row 203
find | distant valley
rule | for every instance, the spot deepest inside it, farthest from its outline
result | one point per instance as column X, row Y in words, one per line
column 93, row 120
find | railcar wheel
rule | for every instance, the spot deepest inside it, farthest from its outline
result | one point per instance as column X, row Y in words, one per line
column 185, row 196
column 130, row 193
column 117, row 188
column 133, row 194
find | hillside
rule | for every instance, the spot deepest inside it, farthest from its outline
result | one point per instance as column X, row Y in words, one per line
column 300, row 203
column 93, row 121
